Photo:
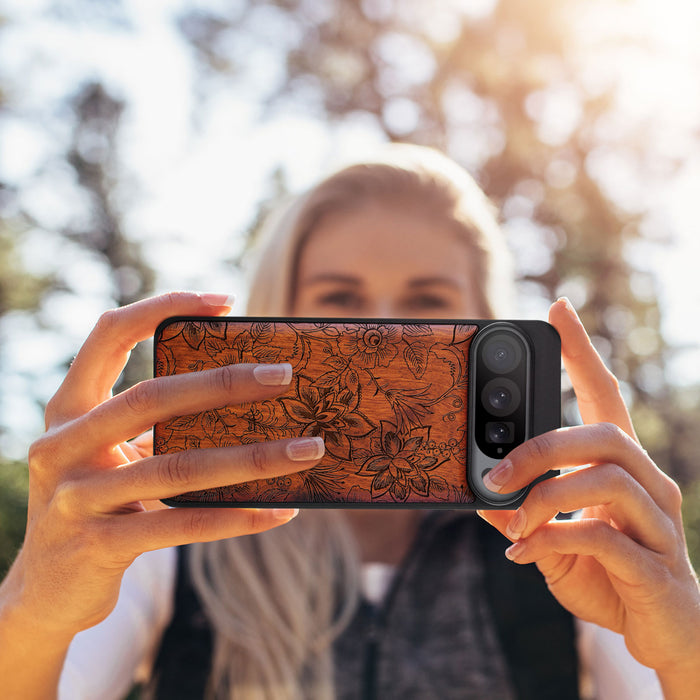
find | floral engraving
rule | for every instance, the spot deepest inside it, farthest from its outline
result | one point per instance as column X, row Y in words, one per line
column 388, row 399
column 400, row 465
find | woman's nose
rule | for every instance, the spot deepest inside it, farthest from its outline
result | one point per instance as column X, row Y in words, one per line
column 383, row 308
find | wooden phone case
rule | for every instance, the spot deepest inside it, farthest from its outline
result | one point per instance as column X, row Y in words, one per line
column 389, row 399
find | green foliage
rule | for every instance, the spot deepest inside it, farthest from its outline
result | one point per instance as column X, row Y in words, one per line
column 18, row 289
column 691, row 521
column 14, row 483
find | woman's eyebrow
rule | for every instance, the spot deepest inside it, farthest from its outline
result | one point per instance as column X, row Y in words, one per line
column 433, row 281
column 334, row 278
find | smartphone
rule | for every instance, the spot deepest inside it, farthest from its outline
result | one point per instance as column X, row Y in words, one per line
column 413, row 412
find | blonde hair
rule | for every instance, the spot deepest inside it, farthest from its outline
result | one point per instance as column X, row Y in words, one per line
column 277, row 600
column 416, row 176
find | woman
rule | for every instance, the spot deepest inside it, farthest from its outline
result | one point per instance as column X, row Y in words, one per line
column 409, row 236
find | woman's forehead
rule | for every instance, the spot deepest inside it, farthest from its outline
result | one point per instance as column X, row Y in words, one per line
column 383, row 237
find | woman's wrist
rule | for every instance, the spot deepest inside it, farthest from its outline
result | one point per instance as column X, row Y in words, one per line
column 682, row 680
column 681, row 684
column 33, row 653
column 19, row 618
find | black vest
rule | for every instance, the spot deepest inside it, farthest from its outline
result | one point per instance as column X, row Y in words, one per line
column 414, row 646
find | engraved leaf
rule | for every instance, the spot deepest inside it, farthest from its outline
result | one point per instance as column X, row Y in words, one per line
column 399, row 490
column 215, row 345
column 360, row 455
column 450, row 357
column 262, row 332
column 416, row 329
column 336, row 362
column 356, row 425
column 165, row 361
column 381, row 483
column 326, row 381
column 391, row 443
column 216, row 329
column 209, row 421
column 266, row 353
column 322, row 482
column 183, row 422
column 378, row 464
column 413, row 443
column 352, row 381
column 192, row 442
column 416, row 357
column 358, row 495
column 297, row 410
column 193, row 335
column 439, row 488
column 419, row 483
column 463, row 332
column 428, row 463
column 172, row 330
column 337, row 444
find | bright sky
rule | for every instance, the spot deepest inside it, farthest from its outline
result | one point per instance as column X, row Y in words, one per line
column 195, row 188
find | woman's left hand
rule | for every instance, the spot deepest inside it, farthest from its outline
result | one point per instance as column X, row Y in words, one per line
column 623, row 564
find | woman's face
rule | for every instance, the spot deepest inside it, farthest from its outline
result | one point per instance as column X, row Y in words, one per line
column 388, row 262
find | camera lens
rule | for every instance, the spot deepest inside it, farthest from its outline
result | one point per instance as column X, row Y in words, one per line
column 502, row 353
column 499, row 432
column 500, row 396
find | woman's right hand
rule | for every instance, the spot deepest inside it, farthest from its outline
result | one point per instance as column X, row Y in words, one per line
column 87, row 514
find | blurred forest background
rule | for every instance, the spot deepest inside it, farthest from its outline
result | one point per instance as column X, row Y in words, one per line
column 580, row 119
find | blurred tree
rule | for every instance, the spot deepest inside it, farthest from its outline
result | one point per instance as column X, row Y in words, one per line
column 501, row 87
column 94, row 156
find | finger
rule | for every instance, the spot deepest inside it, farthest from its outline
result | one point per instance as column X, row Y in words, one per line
column 156, row 529
column 614, row 550
column 102, row 357
column 497, row 518
column 596, row 388
column 165, row 476
column 579, row 445
column 143, row 444
column 156, row 400
column 606, row 486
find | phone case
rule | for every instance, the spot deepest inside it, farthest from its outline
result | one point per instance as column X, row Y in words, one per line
column 390, row 399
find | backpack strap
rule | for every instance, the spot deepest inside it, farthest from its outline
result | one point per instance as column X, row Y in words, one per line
column 536, row 633
column 183, row 664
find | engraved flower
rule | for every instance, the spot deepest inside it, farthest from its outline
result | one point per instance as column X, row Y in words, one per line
column 398, row 466
column 256, row 344
column 328, row 412
column 371, row 344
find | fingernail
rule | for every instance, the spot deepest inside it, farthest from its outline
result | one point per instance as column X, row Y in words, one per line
column 499, row 476
column 517, row 525
column 218, row 299
column 285, row 514
column 303, row 449
column 273, row 375
column 569, row 306
column 515, row 550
